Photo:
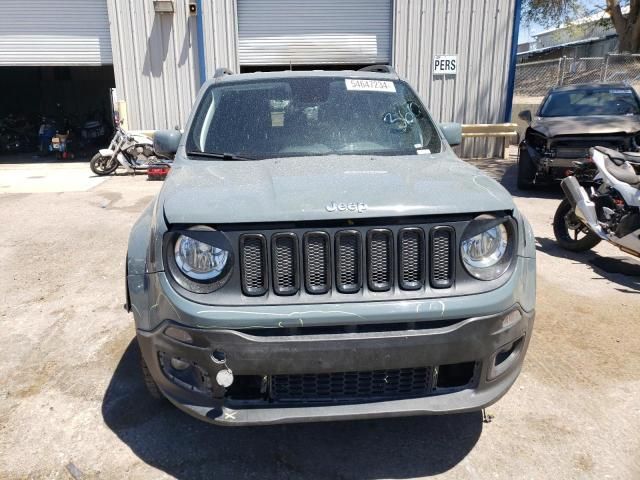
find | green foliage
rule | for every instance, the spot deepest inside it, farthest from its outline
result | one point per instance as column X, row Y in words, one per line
column 552, row 13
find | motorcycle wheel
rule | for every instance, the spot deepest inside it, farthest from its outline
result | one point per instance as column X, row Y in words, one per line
column 571, row 234
column 103, row 165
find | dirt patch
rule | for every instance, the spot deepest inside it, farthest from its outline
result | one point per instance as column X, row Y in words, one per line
column 70, row 388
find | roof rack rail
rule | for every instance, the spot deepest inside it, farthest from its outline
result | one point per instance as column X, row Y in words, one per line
column 378, row 69
column 221, row 72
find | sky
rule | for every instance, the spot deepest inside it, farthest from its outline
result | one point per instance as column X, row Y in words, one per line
column 526, row 31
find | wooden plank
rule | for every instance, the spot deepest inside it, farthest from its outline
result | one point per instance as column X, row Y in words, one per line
column 487, row 129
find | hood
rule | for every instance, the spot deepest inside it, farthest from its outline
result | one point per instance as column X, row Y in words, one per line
column 326, row 188
column 589, row 125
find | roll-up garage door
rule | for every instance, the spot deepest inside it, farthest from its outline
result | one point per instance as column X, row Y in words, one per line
column 49, row 32
column 280, row 32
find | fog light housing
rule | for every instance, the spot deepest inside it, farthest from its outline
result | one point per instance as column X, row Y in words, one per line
column 184, row 373
column 179, row 364
column 504, row 358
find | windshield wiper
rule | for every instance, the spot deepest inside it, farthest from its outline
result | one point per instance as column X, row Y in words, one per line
column 222, row 156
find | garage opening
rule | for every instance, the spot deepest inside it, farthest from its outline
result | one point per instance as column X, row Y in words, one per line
column 49, row 101
column 56, row 65
column 324, row 34
column 279, row 68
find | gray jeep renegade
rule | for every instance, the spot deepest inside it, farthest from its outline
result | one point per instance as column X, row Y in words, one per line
column 318, row 252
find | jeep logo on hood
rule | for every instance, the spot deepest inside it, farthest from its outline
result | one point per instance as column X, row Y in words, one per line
column 347, row 207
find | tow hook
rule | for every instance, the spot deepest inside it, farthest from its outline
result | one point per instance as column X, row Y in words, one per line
column 224, row 377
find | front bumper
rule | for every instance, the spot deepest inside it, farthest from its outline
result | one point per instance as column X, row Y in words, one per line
column 472, row 340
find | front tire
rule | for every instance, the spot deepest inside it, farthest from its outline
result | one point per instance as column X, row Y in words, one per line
column 568, row 229
column 526, row 170
column 103, row 165
column 149, row 382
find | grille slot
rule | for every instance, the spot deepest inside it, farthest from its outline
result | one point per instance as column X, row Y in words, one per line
column 411, row 258
column 442, row 257
column 379, row 259
column 348, row 259
column 317, row 257
column 253, row 264
column 346, row 386
column 284, row 256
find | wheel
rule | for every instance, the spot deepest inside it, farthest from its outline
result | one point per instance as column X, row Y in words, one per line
column 526, row 170
column 571, row 234
column 103, row 165
column 149, row 382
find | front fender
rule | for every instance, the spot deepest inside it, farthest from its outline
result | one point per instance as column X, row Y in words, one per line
column 106, row 152
column 144, row 256
column 140, row 240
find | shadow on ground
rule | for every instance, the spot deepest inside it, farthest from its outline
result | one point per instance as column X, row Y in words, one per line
column 623, row 270
column 36, row 157
column 505, row 171
column 167, row 439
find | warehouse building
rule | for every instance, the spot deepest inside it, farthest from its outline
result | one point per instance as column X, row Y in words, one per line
column 156, row 53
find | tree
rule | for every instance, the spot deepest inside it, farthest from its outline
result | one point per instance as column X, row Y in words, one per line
column 556, row 12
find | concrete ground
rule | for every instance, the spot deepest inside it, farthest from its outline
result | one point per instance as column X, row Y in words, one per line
column 72, row 402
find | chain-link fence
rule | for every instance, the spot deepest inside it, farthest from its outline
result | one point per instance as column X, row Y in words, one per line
column 533, row 79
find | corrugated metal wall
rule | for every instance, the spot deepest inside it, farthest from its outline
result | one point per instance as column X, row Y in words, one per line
column 479, row 32
column 155, row 57
column 221, row 35
column 43, row 32
column 156, row 67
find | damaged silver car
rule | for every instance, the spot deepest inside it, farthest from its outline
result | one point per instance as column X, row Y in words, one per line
column 571, row 120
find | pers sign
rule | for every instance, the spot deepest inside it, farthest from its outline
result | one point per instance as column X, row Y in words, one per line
column 445, row 64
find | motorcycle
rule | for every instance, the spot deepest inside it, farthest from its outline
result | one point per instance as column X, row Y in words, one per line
column 605, row 207
column 131, row 150
column 92, row 132
column 13, row 134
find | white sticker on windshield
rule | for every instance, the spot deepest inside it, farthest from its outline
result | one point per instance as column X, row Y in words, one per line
column 370, row 85
column 613, row 92
column 423, row 151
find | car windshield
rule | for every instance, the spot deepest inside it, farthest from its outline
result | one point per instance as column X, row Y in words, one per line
column 307, row 116
column 582, row 102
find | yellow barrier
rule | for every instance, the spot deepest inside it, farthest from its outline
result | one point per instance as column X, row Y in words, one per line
column 506, row 131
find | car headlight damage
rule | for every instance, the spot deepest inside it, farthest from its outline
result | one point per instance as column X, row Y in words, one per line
column 487, row 249
column 199, row 259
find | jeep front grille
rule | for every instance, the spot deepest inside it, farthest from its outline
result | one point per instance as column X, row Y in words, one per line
column 358, row 386
column 347, row 261
column 442, row 255
column 254, row 264
column 344, row 386
column 412, row 250
column 348, row 253
column 285, row 263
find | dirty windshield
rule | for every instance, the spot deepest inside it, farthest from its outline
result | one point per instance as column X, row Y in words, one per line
column 589, row 101
column 311, row 116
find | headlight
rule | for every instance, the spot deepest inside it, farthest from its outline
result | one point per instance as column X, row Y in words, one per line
column 199, row 259
column 487, row 254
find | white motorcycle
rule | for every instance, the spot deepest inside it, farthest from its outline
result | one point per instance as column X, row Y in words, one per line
column 131, row 150
column 605, row 207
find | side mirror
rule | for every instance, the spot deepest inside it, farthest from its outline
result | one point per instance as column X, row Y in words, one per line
column 165, row 142
column 452, row 133
column 525, row 115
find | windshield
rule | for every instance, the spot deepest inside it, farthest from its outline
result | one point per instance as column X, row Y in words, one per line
column 610, row 101
column 312, row 116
